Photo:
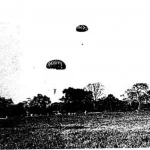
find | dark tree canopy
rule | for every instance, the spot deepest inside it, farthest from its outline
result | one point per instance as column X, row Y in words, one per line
column 5, row 106
column 18, row 110
column 77, row 99
column 56, row 64
column 72, row 95
column 111, row 103
column 39, row 104
column 139, row 93
column 57, row 107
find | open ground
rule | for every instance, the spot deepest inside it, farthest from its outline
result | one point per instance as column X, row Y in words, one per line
column 101, row 130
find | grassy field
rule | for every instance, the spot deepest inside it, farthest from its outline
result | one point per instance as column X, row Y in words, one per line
column 104, row 130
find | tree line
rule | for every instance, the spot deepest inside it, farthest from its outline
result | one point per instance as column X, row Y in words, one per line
column 74, row 100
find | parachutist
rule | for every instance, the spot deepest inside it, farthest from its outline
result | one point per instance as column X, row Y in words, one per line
column 54, row 91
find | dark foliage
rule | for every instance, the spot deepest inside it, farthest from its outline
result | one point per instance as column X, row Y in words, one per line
column 39, row 105
column 77, row 99
column 56, row 107
column 5, row 107
column 18, row 110
column 111, row 104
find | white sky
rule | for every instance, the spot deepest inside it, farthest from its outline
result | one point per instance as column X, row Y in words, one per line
column 115, row 51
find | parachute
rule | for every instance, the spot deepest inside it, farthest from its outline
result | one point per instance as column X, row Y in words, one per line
column 56, row 64
column 82, row 28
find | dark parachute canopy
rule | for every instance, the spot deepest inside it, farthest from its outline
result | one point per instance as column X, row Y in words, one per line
column 56, row 64
column 81, row 28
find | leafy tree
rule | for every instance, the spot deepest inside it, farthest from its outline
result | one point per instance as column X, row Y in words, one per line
column 72, row 95
column 57, row 107
column 18, row 110
column 5, row 106
column 97, row 91
column 111, row 103
column 39, row 104
column 138, row 92
column 76, row 99
column 26, row 106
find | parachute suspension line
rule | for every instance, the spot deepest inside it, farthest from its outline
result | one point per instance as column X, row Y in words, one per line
column 56, row 64
column 81, row 28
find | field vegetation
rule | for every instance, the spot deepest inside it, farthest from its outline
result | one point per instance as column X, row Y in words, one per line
column 103, row 130
column 83, row 118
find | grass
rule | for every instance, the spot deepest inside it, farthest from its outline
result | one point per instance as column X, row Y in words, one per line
column 104, row 130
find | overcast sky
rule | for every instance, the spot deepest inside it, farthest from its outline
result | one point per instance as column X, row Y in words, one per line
column 115, row 49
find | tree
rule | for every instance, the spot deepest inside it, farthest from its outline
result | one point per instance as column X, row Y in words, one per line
column 138, row 92
column 96, row 89
column 56, row 107
column 76, row 99
column 39, row 104
column 111, row 103
column 18, row 110
column 5, row 106
column 26, row 105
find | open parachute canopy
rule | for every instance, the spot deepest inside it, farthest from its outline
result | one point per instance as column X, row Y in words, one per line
column 56, row 64
column 81, row 28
